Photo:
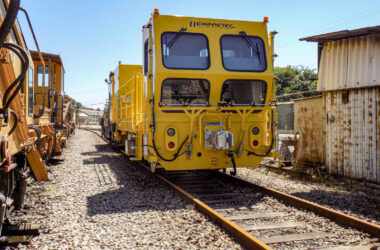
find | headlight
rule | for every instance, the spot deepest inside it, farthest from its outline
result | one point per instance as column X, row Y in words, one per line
column 255, row 130
column 170, row 131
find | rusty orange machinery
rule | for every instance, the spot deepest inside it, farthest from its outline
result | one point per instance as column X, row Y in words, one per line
column 203, row 98
column 49, row 103
column 18, row 150
column 69, row 115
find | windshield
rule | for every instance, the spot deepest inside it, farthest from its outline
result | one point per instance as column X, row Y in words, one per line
column 183, row 92
column 243, row 53
column 30, row 91
column 182, row 50
column 243, row 92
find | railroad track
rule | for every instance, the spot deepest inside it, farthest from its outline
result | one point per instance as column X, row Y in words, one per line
column 264, row 218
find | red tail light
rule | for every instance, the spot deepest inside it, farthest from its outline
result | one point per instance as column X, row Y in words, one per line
column 171, row 145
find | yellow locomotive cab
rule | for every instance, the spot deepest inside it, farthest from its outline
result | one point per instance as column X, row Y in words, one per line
column 49, row 102
column 205, row 90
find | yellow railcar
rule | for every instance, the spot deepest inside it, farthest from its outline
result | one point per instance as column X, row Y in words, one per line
column 49, row 101
column 49, row 94
column 126, row 101
column 206, row 94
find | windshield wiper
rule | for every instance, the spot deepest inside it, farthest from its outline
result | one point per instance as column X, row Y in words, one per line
column 251, row 45
column 175, row 38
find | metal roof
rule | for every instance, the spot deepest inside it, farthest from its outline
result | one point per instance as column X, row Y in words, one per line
column 46, row 56
column 332, row 36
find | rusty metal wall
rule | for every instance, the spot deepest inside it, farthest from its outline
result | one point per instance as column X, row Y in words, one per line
column 309, row 127
column 350, row 63
column 352, row 119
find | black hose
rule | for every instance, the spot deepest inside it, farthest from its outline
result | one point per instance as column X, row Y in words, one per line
column 18, row 83
column 266, row 153
column 175, row 156
column 41, row 110
column 9, row 20
column 232, row 157
column 15, row 122
column 12, row 48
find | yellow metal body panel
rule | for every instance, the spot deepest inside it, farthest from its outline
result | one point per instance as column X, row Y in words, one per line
column 114, row 101
column 186, row 149
column 130, row 79
column 19, row 140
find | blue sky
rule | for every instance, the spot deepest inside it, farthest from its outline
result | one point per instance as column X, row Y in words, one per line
column 93, row 35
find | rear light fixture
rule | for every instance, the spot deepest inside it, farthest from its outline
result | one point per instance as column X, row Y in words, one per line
column 171, row 145
column 170, row 132
column 255, row 130
column 255, row 143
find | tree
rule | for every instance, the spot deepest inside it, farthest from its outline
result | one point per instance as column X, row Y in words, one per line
column 79, row 105
column 292, row 79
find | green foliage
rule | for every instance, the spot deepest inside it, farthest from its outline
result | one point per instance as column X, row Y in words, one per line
column 78, row 105
column 293, row 79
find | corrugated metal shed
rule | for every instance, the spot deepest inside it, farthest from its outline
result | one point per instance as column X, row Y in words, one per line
column 309, row 129
column 350, row 63
column 352, row 145
column 342, row 34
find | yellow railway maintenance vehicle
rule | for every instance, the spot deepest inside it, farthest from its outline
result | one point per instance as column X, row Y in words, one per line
column 126, row 102
column 204, row 97
column 49, row 101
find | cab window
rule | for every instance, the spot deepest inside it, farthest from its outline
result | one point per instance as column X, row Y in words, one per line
column 40, row 75
column 181, row 50
column 30, row 91
column 185, row 92
column 146, row 56
column 243, row 53
column 243, row 93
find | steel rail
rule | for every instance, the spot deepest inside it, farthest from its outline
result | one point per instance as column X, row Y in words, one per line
column 245, row 238
column 332, row 214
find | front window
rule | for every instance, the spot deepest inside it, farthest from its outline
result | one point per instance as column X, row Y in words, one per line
column 146, row 56
column 182, row 50
column 41, row 75
column 30, row 91
column 185, row 92
column 243, row 92
column 243, row 53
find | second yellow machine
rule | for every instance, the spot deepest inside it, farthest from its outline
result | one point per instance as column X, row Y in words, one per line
column 201, row 100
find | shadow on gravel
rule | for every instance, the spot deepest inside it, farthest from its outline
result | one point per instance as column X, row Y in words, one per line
column 346, row 201
column 133, row 190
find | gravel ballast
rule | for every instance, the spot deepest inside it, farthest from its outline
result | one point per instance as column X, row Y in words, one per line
column 350, row 198
column 96, row 200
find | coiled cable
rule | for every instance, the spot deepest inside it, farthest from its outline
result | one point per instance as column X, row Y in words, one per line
column 17, row 84
column 15, row 121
